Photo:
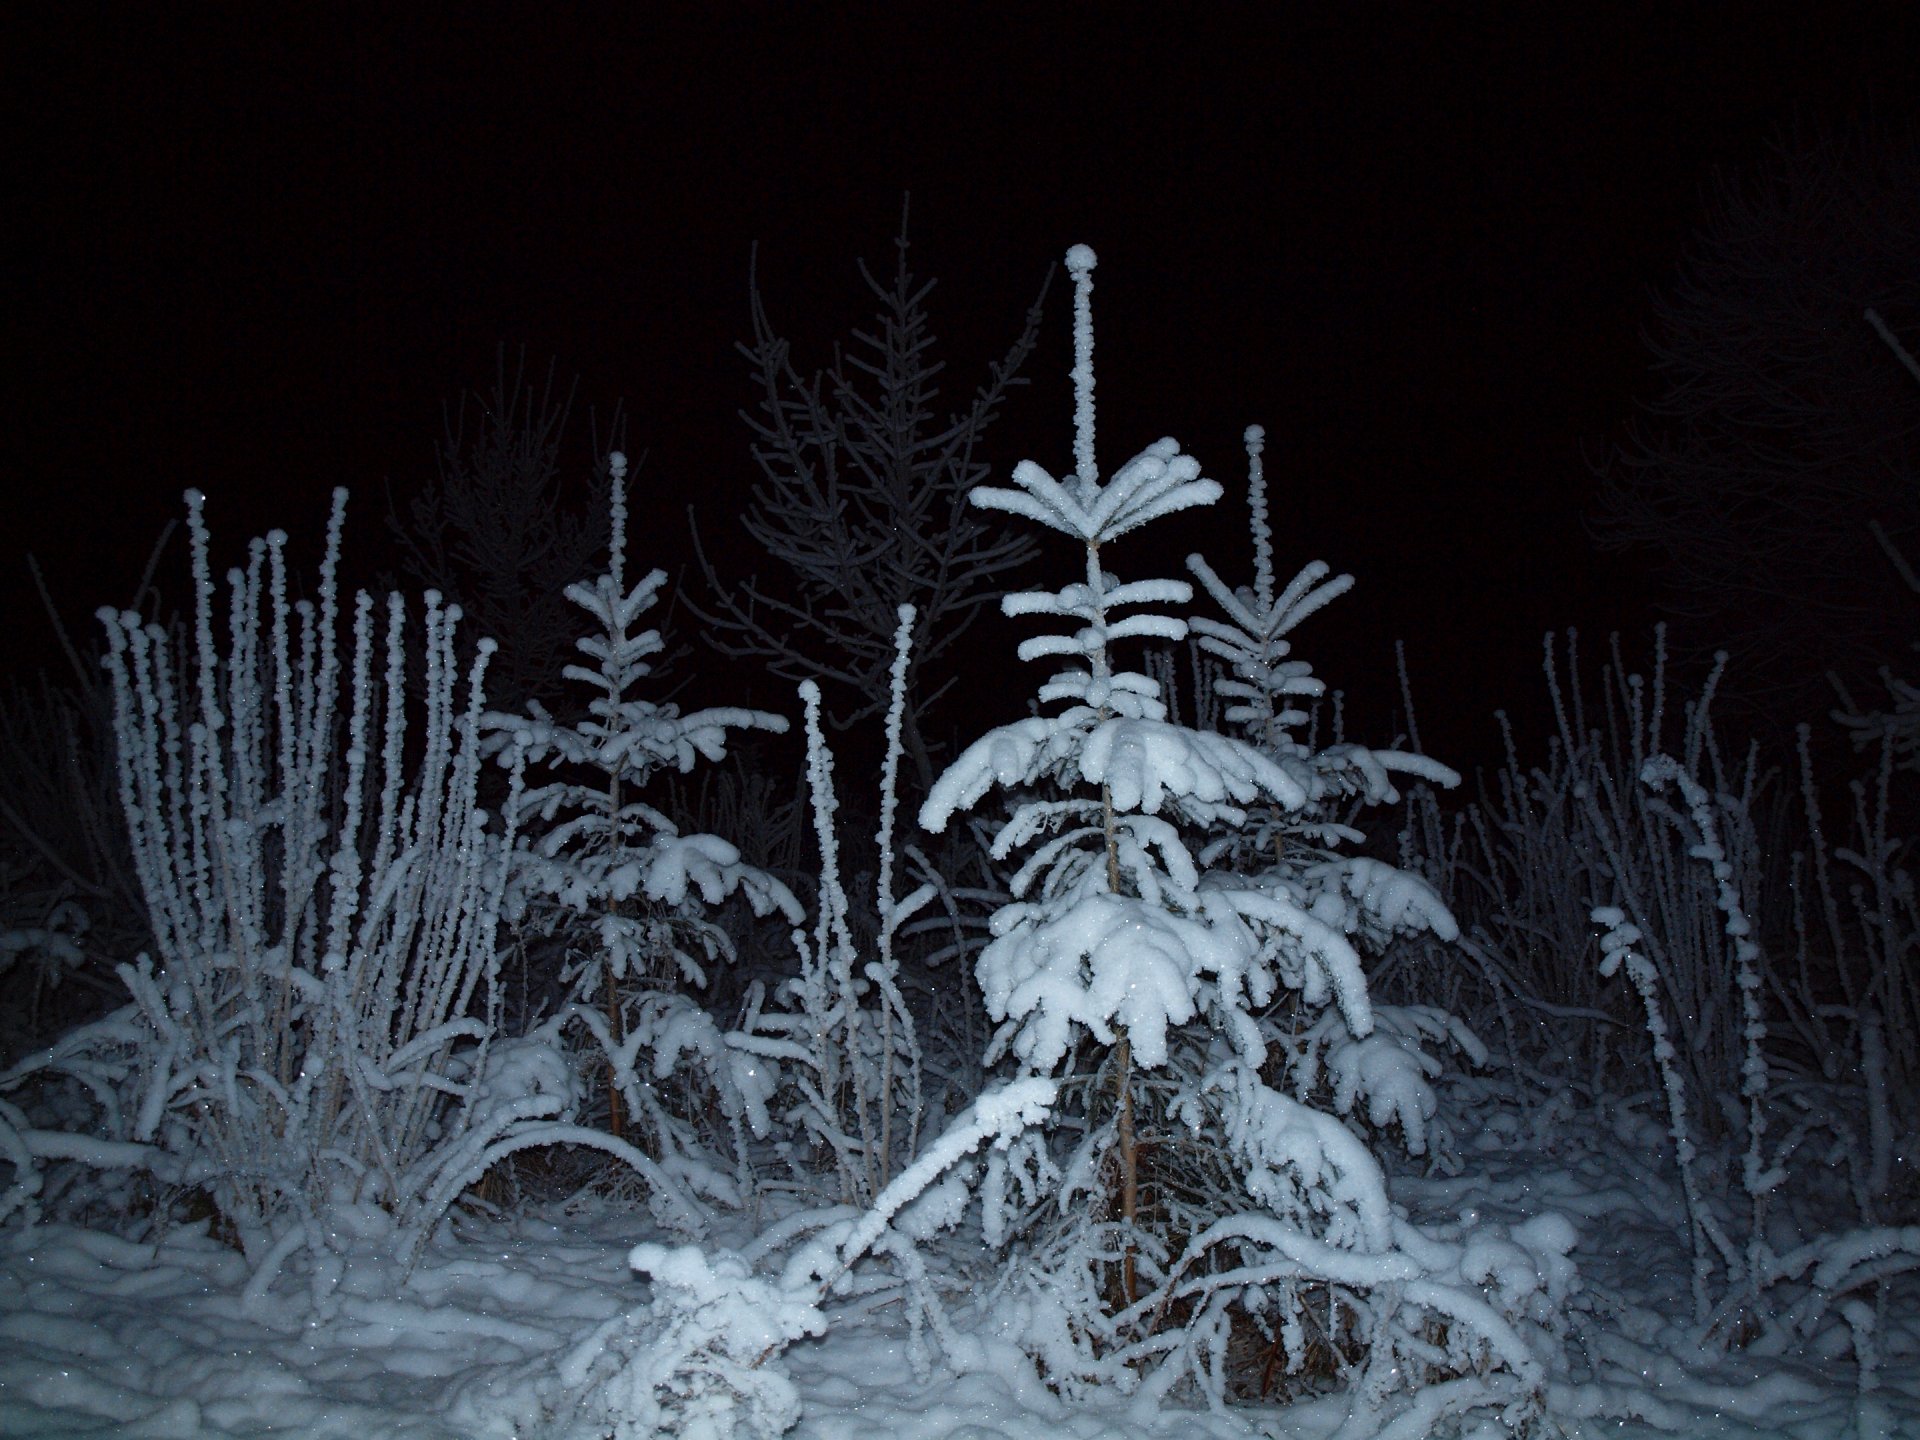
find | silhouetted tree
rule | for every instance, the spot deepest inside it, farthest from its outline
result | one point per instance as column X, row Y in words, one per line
column 503, row 533
column 863, row 508
column 1784, row 430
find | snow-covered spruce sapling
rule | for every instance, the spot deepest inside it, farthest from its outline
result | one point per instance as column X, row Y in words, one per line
column 1137, row 970
column 606, row 867
column 1296, row 848
column 1103, row 944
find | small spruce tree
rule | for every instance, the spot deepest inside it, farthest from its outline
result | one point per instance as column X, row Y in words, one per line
column 616, row 874
column 1156, row 972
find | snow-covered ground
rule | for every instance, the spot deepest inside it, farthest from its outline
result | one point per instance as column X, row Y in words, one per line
column 101, row 1337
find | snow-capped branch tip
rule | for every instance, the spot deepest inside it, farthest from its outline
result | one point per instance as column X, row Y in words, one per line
column 1080, row 263
column 1262, row 530
column 617, row 520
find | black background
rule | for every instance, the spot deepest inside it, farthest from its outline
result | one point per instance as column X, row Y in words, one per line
column 257, row 248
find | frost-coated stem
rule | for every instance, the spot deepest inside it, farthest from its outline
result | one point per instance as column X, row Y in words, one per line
column 1617, row 949
column 890, row 773
column 1080, row 263
column 611, row 966
column 1129, row 1161
column 1101, row 663
column 617, row 500
column 834, row 940
column 889, row 804
column 1662, row 770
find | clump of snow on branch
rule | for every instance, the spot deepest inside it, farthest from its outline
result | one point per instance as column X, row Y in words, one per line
column 699, row 1360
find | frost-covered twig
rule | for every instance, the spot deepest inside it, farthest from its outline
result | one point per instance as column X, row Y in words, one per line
column 1663, row 770
column 1617, row 950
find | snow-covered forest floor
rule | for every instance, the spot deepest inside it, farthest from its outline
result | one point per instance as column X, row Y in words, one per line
column 100, row 1337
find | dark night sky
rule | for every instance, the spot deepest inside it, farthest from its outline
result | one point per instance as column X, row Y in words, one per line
column 1414, row 242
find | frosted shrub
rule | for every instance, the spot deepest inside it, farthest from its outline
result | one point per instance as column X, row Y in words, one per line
column 614, row 877
column 1178, row 919
column 842, row 1026
column 699, row 1362
column 1871, row 1012
column 1547, row 840
column 314, row 1035
column 1767, row 1299
column 1525, row 865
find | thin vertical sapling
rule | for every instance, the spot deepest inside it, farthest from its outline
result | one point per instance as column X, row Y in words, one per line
column 844, row 1028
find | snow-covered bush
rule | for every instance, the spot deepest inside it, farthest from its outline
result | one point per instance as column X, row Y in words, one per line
column 1178, row 921
column 627, row 892
column 1524, row 865
column 1762, row 1298
column 313, row 1041
column 700, row 1361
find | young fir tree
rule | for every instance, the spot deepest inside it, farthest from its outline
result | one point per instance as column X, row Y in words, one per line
column 602, row 860
column 1297, row 849
column 862, row 508
column 1154, row 968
